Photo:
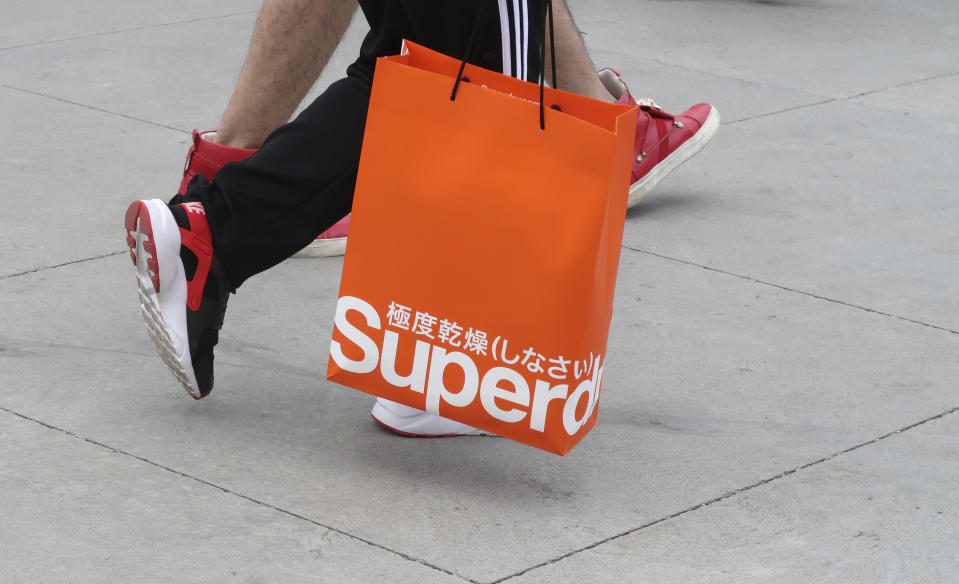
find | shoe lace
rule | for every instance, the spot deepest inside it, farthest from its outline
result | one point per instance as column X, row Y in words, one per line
column 653, row 109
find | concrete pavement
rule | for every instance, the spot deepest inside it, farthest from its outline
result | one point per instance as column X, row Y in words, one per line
column 781, row 395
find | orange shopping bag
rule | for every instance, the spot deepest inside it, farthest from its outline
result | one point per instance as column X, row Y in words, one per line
column 479, row 272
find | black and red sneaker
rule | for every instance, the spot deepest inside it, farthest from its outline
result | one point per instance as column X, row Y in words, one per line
column 183, row 294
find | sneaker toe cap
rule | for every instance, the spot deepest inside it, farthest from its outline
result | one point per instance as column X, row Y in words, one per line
column 698, row 113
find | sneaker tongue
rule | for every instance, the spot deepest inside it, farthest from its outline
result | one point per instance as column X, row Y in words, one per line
column 648, row 102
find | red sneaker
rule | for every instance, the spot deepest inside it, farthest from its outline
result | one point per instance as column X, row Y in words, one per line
column 206, row 157
column 663, row 141
column 331, row 242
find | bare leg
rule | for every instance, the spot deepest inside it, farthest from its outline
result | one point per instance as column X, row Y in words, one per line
column 575, row 71
column 292, row 43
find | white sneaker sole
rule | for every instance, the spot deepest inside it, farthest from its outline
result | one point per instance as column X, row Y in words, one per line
column 689, row 148
column 323, row 248
column 413, row 422
column 154, row 240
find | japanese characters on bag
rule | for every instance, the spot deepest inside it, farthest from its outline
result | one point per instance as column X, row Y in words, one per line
column 441, row 343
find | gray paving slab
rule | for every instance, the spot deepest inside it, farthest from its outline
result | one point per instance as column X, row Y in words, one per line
column 28, row 23
column 186, row 81
column 87, row 118
column 75, row 511
column 66, row 173
column 748, row 373
column 840, row 200
column 192, row 67
column 838, row 48
column 783, row 299
column 883, row 513
column 935, row 99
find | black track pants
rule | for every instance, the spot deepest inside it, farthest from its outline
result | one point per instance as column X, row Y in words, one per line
column 300, row 182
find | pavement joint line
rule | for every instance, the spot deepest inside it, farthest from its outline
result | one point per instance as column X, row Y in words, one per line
column 93, row 108
column 784, row 110
column 847, row 98
column 737, row 492
column 642, row 251
column 239, row 495
column 795, row 291
column 694, row 70
column 826, row 99
column 904, row 84
column 70, row 263
column 734, row 78
column 290, row 371
column 122, row 30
